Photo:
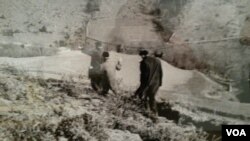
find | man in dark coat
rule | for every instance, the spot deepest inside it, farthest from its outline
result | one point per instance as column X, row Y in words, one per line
column 95, row 67
column 151, row 80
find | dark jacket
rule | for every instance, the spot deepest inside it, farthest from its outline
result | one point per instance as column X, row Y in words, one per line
column 96, row 61
column 151, row 74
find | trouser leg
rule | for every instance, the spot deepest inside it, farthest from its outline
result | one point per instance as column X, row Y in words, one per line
column 151, row 99
column 105, row 89
column 113, row 86
column 153, row 106
column 96, row 82
column 93, row 84
column 110, row 83
column 105, row 84
column 108, row 86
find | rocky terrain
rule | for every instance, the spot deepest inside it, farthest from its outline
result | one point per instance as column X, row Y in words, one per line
column 50, row 109
column 35, row 91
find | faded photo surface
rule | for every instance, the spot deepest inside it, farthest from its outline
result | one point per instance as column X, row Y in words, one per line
column 123, row 70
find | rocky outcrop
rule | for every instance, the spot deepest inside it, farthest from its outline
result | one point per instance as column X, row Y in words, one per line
column 119, row 135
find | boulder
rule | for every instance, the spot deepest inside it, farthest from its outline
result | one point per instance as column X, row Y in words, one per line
column 119, row 135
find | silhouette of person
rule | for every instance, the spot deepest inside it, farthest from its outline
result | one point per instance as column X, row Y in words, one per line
column 150, row 80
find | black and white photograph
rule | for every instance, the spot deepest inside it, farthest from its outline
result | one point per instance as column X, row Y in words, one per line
column 124, row 70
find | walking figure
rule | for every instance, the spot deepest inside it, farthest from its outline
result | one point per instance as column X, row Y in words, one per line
column 150, row 80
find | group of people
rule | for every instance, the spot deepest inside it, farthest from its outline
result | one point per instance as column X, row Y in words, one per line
column 102, row 74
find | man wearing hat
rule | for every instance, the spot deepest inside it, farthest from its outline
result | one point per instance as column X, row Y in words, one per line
column 151, row 80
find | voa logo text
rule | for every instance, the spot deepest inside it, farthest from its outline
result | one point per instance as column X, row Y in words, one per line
column 236, row 132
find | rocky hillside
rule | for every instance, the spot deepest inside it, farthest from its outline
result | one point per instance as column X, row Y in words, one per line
column 49, row 109
column 217, row 32
column 179, row 98
column 41, row 22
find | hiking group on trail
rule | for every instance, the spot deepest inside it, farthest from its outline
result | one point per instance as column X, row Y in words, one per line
column 103, row 69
